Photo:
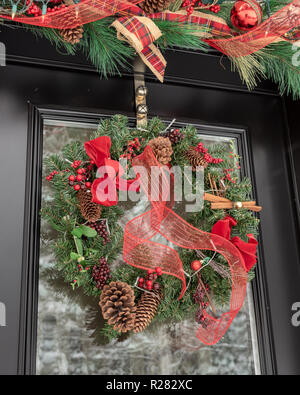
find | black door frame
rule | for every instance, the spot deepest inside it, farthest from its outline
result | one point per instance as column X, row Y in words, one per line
column 30, row 274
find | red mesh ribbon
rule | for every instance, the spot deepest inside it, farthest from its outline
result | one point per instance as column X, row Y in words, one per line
column 269, row 31
column 78, row 14
column 161, row 219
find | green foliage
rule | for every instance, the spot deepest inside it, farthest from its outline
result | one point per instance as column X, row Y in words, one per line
column 78, row 247
column 111, row 56
column 179, row 35
column 101, row 45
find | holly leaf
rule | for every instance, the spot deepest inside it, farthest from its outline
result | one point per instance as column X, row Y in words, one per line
column 77, row 232
column 87, row 231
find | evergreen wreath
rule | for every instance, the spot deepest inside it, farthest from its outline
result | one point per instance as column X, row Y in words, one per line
column 86, row 250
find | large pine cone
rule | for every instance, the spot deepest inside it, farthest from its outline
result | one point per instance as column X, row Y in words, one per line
column 117, row 305
column 146, row 309
column 150, row 6
column 196, row 158
column 89, row 210
column 72, row 36
column 162, row 149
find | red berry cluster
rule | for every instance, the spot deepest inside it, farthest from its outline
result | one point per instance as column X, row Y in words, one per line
column 101, row 273
column 56, row 8
column 101, row 228
column 208, row 158
column 190, row 4
column 33, row 9
column 76, row 164
column 228, row 177
column 51, row 175
column 215, row 8
column 80, row 268
column 148, row 282
column 80, row 180
column 131, row 149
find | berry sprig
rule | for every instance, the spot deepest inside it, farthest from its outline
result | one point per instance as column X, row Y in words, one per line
column 228, row 176
column 189, row 5
column 102, row 229
column 229, row 173
column 56, row 7
column 33, row 9
column 80, row 180
column 131, row 149
column 76, row 164
column 148, row 282
column 207, row 157
column 101, row 273
column 51, row 175
column 215, row 8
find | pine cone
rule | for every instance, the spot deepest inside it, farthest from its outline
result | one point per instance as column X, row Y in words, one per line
column 89, row 210
column 72, row 36
column 146, row 309
column 162, row 149
column 150, row 6
column 117, row 305
column 196, row 158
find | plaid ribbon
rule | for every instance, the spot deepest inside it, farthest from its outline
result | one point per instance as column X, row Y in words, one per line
column 141, row 32
column 210, row 28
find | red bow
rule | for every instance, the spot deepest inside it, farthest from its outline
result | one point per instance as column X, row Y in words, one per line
column 104, row 189
column 247, row 249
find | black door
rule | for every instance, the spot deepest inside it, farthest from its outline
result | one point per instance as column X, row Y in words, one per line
column 36, row 92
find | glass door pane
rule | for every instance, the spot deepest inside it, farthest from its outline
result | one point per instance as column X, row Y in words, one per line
column 70, row 339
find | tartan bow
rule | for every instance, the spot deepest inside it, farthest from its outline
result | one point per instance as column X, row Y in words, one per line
column 141, row 32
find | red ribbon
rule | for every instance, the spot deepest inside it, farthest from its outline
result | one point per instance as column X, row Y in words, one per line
column 247, row 249
column 104, row 189
column 86, row 11
column 161, row 219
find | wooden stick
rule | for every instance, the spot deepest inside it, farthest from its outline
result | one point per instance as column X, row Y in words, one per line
column 216, row 188
column 210, row 183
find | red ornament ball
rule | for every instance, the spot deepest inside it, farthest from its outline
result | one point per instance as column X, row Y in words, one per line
column 195, row 265
column 72, row 178
column 76, row 187
column 88, row 184
column 246, row 14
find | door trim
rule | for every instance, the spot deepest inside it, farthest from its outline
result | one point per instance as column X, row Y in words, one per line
column 31, row 233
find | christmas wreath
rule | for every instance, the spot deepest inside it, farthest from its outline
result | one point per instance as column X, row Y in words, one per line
column 261, row 38
column 102, row 247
